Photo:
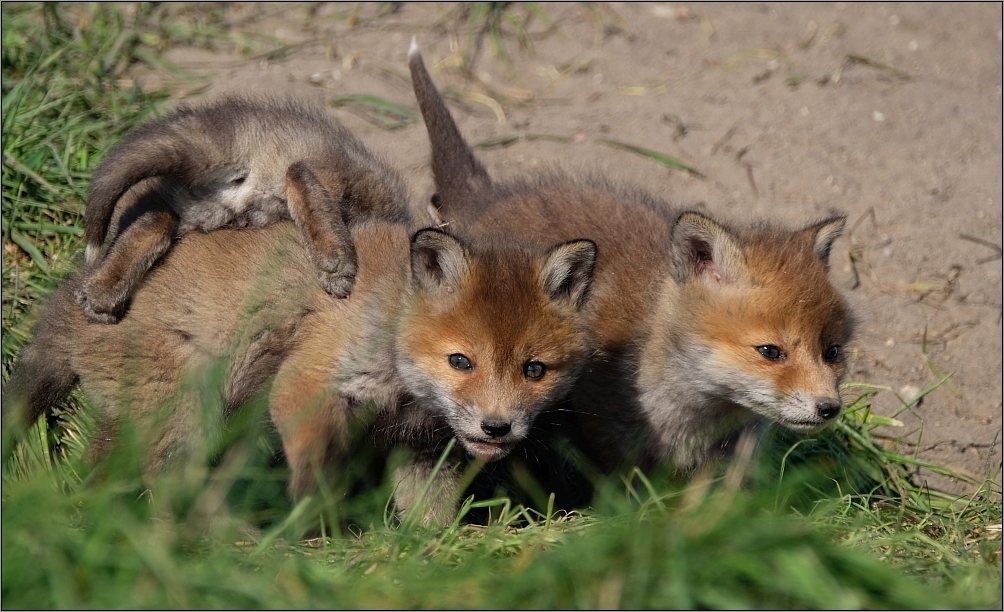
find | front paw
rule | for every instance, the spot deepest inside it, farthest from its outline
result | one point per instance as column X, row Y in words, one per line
column 96, row 306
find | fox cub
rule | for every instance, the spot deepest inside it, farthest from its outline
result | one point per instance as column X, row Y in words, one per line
column 229, row 163
column 701, row 329
column 440, row 338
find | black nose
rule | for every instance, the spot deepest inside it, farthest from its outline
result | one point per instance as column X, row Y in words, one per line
column 828, row 410
column 496, row 429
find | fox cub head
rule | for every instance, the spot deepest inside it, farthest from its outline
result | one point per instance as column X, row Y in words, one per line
column 756, row 320
column 486, row 344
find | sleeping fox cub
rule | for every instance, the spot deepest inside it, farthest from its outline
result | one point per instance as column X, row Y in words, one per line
column 701, row 329
column 228, row 163
column 440, row 338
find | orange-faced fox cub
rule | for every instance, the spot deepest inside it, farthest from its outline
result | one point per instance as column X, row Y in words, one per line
column 701, row 328
column 227, row 164
column 443, row 338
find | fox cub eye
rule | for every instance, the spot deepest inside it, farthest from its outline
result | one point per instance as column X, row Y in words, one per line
column 832, row 354
column 460, row 362
column 771, row 352
column 534, row 370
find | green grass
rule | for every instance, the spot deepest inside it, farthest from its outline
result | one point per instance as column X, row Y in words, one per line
column 62, row 108
column 496, row 21
column 115, row 540
column 376, row 110
column 831, row 521
column 662, row 158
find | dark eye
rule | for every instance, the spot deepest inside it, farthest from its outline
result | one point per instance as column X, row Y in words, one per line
column 238, row 181
column 534, row 370
column 771, row 352
column 832, row 354
column 460, row 362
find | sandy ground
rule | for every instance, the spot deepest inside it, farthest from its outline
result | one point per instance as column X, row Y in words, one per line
column 890, row 114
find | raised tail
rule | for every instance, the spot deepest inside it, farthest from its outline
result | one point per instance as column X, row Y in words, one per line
column 154, row 150
column 459, row 176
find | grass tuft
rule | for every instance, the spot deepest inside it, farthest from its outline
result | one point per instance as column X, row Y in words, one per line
column 63, row 107
column 123, row 541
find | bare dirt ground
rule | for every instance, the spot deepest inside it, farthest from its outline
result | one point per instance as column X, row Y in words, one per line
column 889, row 113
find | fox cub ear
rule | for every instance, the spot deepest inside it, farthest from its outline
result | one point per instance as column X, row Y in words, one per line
column 438, row 260
column 568, row 271
column 704, row 249
column 823, row 234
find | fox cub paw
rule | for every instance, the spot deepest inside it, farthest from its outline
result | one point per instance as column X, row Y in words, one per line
column 338, row 276
column 97, row 305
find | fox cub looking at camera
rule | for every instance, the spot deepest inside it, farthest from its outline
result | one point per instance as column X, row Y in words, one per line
column 228, row 164
column 701, row 329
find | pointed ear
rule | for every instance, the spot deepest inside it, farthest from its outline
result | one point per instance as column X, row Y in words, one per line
column 568, row 271
column 705, row 249
column 823, row 234
column 438, row 261
column 458, row 174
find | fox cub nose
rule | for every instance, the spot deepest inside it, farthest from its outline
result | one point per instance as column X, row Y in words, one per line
column 828, row 409
column 496, row 429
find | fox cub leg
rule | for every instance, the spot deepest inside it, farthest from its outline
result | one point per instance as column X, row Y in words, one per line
column 438, row 506
column 315, row 198
column 312, row 420
column 149, row 230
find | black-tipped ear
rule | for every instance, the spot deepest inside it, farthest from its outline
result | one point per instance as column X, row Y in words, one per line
column 458, row 174
column 438, row 260
column 568, row 271
column 823, row 234
column 703, row 248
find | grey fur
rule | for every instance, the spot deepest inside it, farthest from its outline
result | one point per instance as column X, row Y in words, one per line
column 229, row 163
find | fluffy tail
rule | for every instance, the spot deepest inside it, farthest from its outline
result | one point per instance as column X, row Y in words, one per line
column 42, row 375
column 154, row 150
column 458, row 174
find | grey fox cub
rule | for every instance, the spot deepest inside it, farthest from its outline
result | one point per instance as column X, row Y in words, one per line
column 229, row 163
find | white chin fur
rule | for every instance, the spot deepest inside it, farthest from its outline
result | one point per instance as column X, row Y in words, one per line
column 483, row 451
column 803, row 427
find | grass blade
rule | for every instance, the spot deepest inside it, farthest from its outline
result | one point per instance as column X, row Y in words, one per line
column 376, row 110
column 662, row 158
column 29, row 247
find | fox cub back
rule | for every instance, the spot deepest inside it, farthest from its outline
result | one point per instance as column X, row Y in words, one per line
column 229, row 163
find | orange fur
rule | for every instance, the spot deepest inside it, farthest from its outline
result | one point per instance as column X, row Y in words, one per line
column 684, row 311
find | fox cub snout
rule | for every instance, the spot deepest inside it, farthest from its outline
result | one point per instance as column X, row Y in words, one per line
column 487, row 345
